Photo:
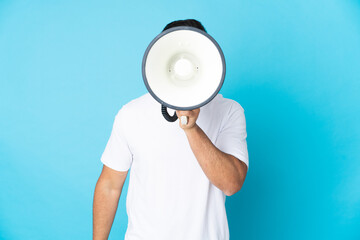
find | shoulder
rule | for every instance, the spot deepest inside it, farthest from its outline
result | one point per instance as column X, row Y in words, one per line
column 220, row 111
column 132, row 107
column 227, row 105
column 232, row 112
column 137, row 102
column 126, row 116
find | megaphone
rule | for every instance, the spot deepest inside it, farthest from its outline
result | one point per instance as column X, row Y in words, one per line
column 183, row 68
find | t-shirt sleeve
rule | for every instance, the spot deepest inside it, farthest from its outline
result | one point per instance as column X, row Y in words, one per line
column 117, row 154
column 232, row 136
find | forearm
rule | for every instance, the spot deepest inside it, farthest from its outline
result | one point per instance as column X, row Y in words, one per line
column 219, row 167
column 104, row 209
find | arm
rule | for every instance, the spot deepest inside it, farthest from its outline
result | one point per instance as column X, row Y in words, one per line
column 223, row 170
column 106, row 197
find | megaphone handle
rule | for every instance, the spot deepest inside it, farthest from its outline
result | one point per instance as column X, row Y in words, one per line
column 167, row 116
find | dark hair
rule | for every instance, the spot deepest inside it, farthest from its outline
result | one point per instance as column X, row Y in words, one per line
column 187, row 22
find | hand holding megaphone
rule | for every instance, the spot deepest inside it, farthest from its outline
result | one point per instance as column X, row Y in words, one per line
column 188, row 118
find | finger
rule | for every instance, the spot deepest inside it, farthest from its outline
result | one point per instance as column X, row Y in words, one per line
column 194, row 112
column 179, row 113
column 184, row 113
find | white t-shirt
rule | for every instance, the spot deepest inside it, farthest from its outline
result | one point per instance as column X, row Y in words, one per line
column 169, row 196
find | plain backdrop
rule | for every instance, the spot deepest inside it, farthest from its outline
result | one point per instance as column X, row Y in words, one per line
column 67, row 67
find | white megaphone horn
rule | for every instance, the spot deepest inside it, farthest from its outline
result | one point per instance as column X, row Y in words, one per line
column 183, row 68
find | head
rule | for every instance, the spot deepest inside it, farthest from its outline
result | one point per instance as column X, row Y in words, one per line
column 187, row 22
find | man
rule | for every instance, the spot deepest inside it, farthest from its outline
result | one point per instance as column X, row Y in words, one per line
column 180, row 174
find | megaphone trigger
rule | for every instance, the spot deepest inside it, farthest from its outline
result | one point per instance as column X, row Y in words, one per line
column 184, row 120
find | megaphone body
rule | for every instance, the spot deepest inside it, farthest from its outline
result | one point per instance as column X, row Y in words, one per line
column 183, row 68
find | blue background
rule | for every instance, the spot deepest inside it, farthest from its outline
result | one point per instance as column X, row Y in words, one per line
column 66, row 68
